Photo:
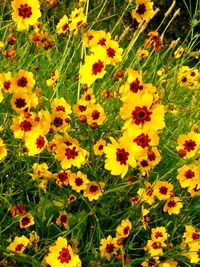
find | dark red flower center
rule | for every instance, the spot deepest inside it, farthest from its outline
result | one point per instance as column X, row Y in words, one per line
column 40, row 142
column 20, row 102
column 189, row 145
column 142, row 140
column 60, row 108
column 25, row 11
column 19, row 247
column 63, row 176
column 97, row 67
column 82, row 108
column 110, row 247
column 78, row 181
column 158, row 234
column 189, row 174
column 7, row 85
column 141, row 9
column 171, row 204
column 195, row 236
column 63, row 218
column 163, row 190
column 71, row 153
column 111, row 52
column 65, row 27
column 88, row 97
column 25, row 221
column 25, row 126
column 140, row 115
column 156, row 245
column 100, row 147
column 126, row 230
column 144, row 163
column 22, row 82
column 102, row 42
column 151, row 155
column 93, row 188
column 122, row 155
column 135, row 86
column 95, row 114
column 65, row 256
column 58, row 122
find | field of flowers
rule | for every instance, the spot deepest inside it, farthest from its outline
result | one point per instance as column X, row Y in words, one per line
column 99, row 134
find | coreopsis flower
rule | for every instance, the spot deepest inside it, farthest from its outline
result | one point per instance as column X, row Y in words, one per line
column 143, row 11
column 40, row 171
column 60, row 105
column 118, row 157
column 34, row 238
column 53, row 79
column 145, row 217
column 141, row 110
column 188, row 77
column 77, row 20
column 194, row 190
column 63, row 25
column 159, row 234
column 62, row 219
column 69, row 153
column 142, row 53
column 98, row 147
column 173, row 205
column 154, row 40
column 3, row 150
column 60, row 121
column 61, row 254
column 23, row 82
column 108, row 247
column 62, row 178
column 80, row 108
column 17, row 209
column 6, row 80
column 146, row 195
column 123, row 230
column 88, row 96
column 113, row 52
column 93, row 190
column 188, row 175
column 19, row 244
column 151, row 262
column 190, row 236
column 26, row 220
column 22, row 102
column 52, row 145
column 25, row 13
column 78, row 181
column 35, row 143
column 188, row 143
column 93, row 38
column 163, row 189
column 94, row 67
column 179, row 52
column 71, row 199
column 154, row 248
column 95, row 114
column 169, row 263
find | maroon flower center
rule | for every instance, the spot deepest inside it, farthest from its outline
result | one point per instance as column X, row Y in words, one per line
column 140, row 115
column 63, row 218
column 189, row 174
column 65, row 27
column 122, row 156
column 19, row 247
column 82, row 108
column 25, row 11
column 110, row 248
column 97, row 67
column 156, row 245
column 158, row 234
column 25, row 126
column 60, row 108
column 189, row 145
column 40, row 142
column 111, row 52
column 78, row 181
column 22, row 82
column 7, row 85
column 63, row 177
column 144, row 163
column 163, row 190
column 141, row 9
column 135, row 86
column 93, row 188
column 171, row 204
column 195, row 236
column 20, row 102
column 88, row 97
column 142, row 140
column 100, row 147
column 71, row 153
column 151, row 155
column 95, row 114
column 184, row 80
column 58, row 122
column 65, row 256
column 90, row 37
column 25, row 221
column 126, row 230
column 102, row 41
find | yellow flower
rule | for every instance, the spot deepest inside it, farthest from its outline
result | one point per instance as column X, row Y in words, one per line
column 169, row 263
column 95, row 114
column 78, row 19
column 35, row 143
column 143, row 11
column 163, row 190
column 25, row 13
column 26, row 220
column 173, row 206
column 113, row 52
column 93, row 190
column 63, row 25
column 99, row 146
column 60, row 104
column 179, row 52
column 60, row 121
column 19, row 244
column 78, row 181
column 142, row 53
column 23, row 82
column 188, row 175
column 54, row 77
column 61, row 254
column 145, row 217
column 62, row 219
column 93, row 38
column 118, row 157
column 159, row 234
column 154, row 248
column 123, row 230
column 40, row 171
column 62, row 178
column 6, row 79
column 3, row 150
column 109, row 247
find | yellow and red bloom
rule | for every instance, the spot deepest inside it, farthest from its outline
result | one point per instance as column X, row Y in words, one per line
column 19, row 244
column 93, row 190
column 25, row 13
column 118, row 157
column 142, row 53
column 60, row 105
column 109, row 247
column 179, row 52
column 3, row 150
column 93, row 38
column 6, row 79
column 26, row 220
column 62, row 219
column 63, row 25
column 143, row 11
column 78, row 19
column 35, row 143
column 188, row 175
column 62, row 178
column 78, row 181
column 123, row 230
column 95, row 114
column 159, row 234
column 23, row 82
column 153, row 40
column 163, row 190
column 61, row 254
column 98, row 147
column 154, row 248
column 188, row 143
column 173, row 205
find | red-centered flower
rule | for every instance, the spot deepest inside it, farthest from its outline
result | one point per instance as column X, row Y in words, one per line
column 25, row 11
column 97, row 67
column 135, row 86
column 65, row 256
column 141, row 114
column 142, row 140
column 22, row 82
column 122, row 156
column 25, row 126
column 189, row 145
column 111, row 52
column 40, row 142
column 71, row 153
